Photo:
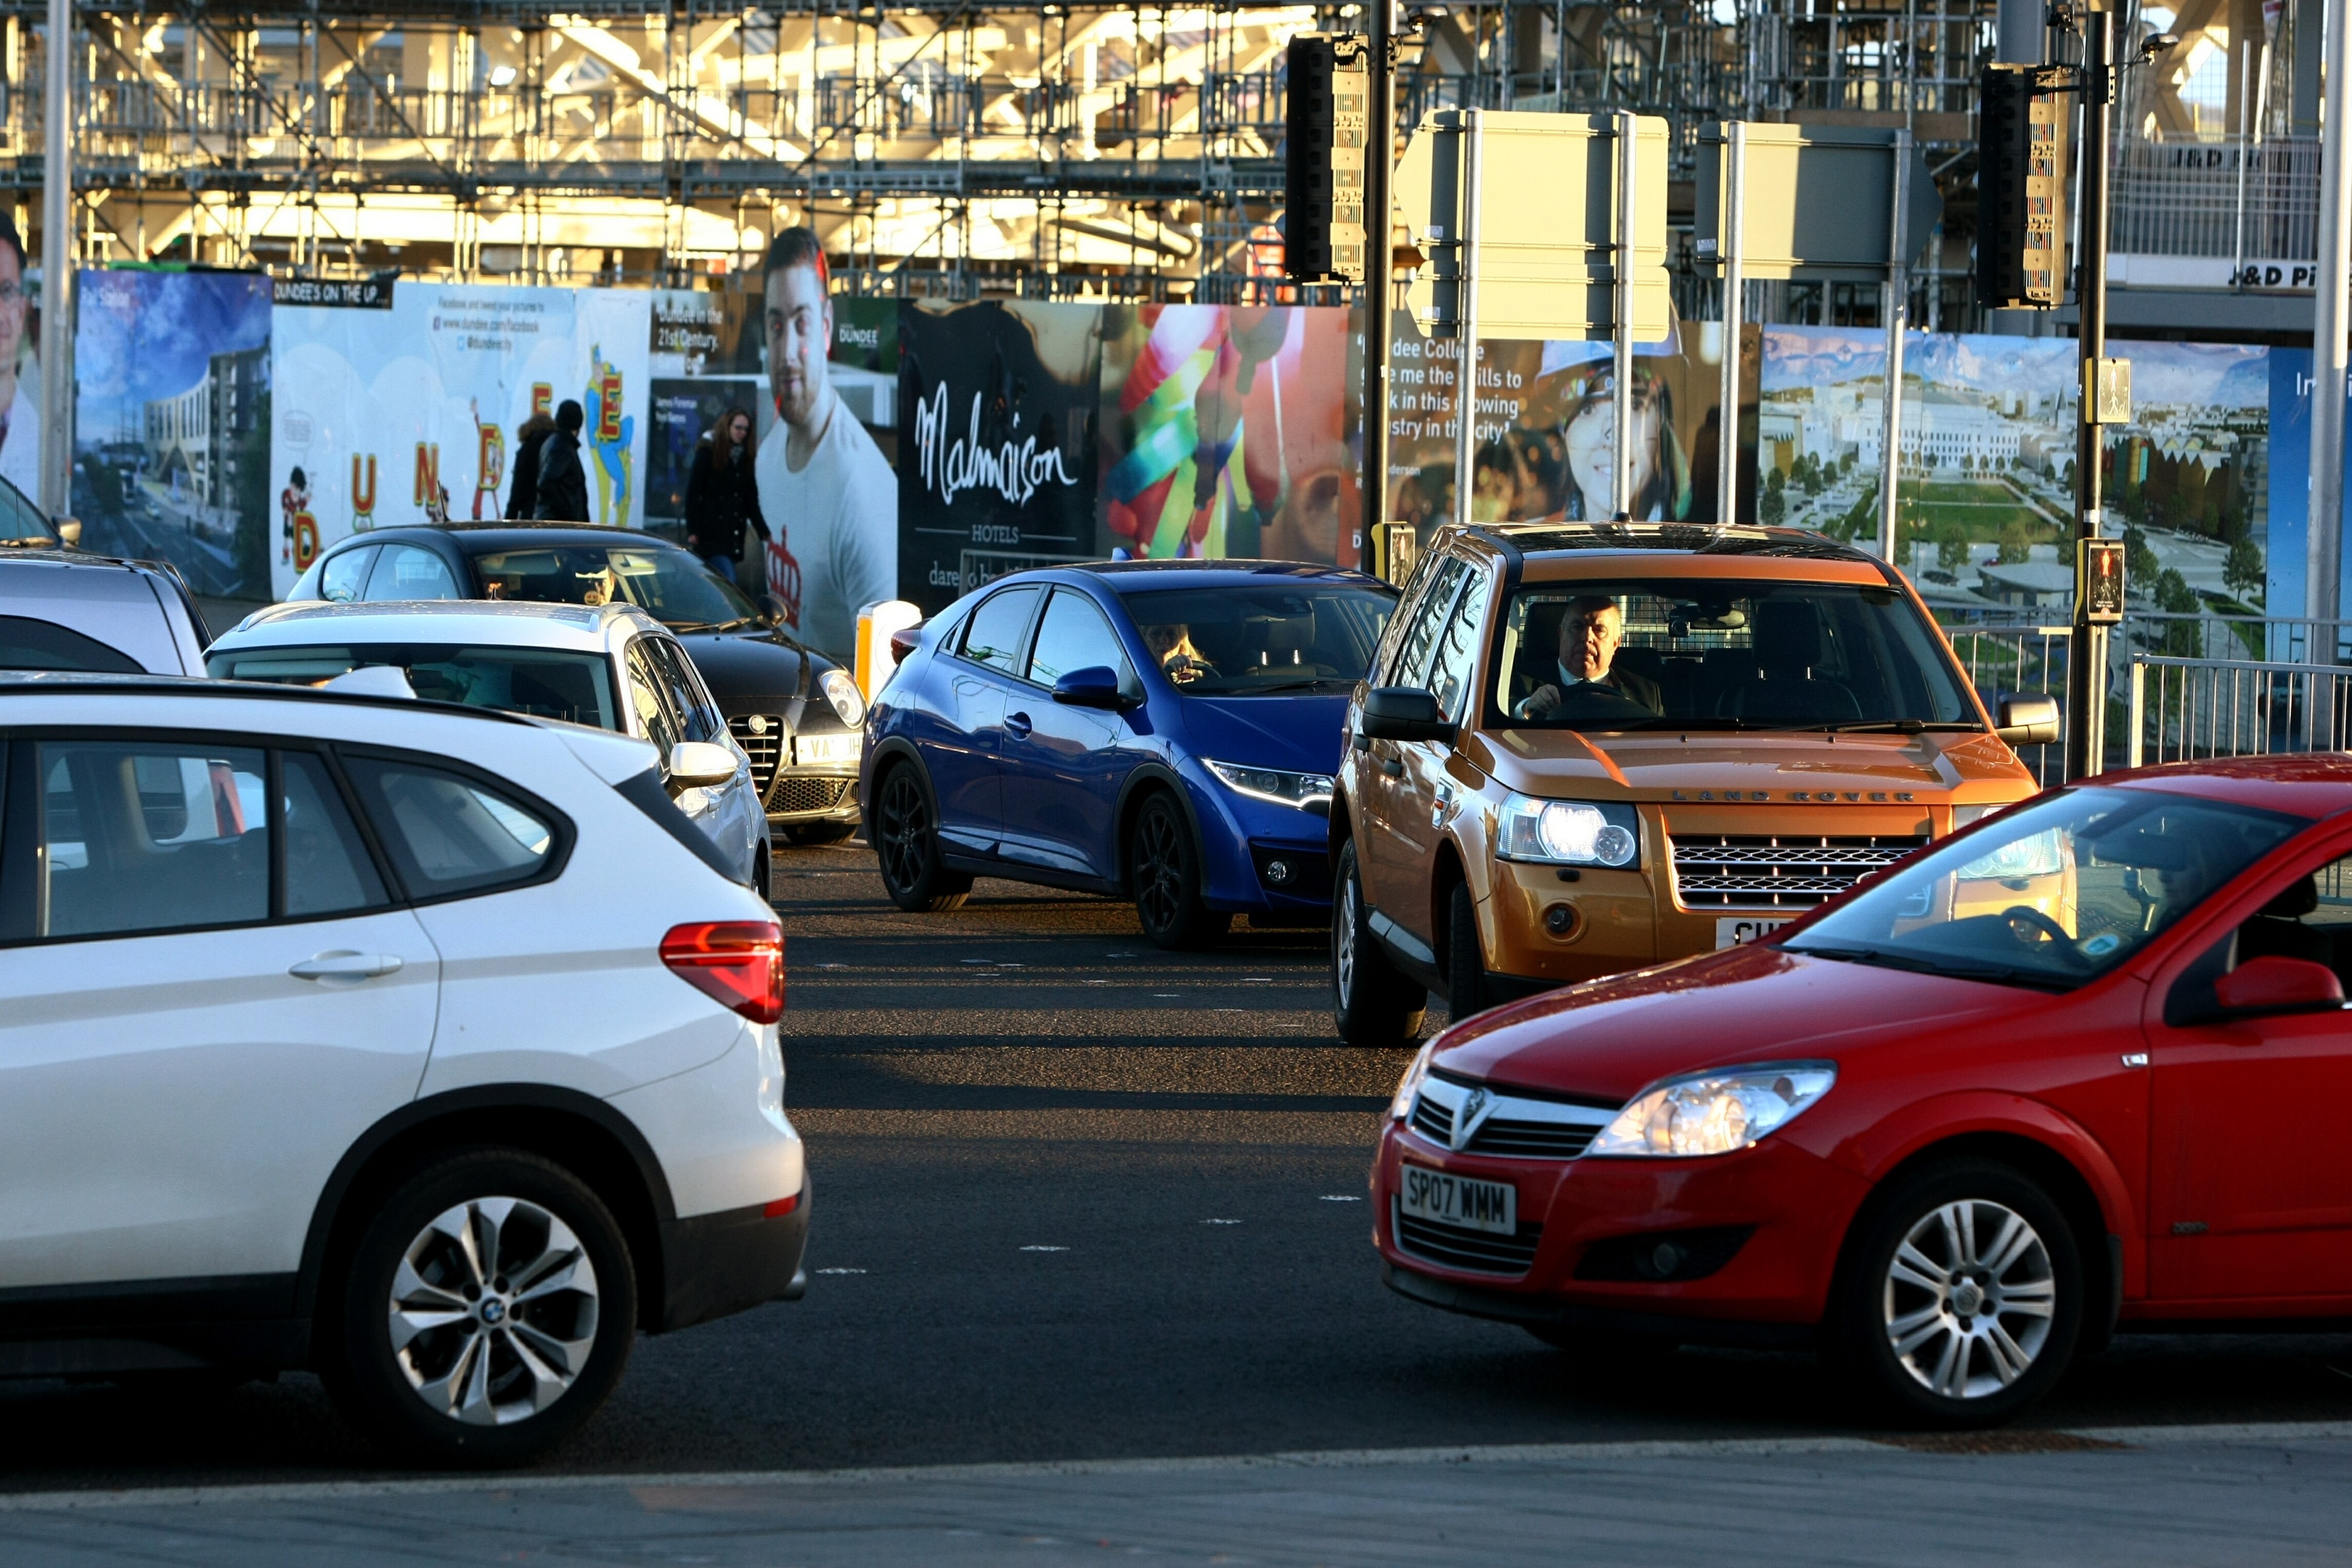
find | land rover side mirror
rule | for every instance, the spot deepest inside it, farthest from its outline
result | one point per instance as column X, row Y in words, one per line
column 1096, row 686
column 2024, row 721
column 1403, row 713
column 772, row 610
column 2266, row 985
column 70, row 531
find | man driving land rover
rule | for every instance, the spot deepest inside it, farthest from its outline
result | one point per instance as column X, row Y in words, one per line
column 1589, row 631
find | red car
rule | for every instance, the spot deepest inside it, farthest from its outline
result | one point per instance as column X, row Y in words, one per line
column 2081, row 1068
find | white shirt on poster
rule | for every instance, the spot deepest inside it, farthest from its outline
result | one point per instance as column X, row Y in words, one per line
column 20, row 454
column 836, row 528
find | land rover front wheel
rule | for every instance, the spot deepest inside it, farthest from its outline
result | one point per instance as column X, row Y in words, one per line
column 1374, row 1003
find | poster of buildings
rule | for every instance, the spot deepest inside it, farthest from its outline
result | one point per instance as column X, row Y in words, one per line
column 996, row 450
column 1986, row 498
column 1226, row 431
column 403, row 414
column 171, row 418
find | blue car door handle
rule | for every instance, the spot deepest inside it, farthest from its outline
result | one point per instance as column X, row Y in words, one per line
column 1017, row 726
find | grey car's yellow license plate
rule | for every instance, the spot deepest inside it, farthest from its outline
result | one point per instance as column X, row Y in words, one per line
column 1463, row 1202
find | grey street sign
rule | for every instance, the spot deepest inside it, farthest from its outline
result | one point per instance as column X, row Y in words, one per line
column 1817, row 201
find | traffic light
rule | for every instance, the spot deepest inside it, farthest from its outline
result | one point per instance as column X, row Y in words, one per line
column 1325, row 123
column 2020, row 191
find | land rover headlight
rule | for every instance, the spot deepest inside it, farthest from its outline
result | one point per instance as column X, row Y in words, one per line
column 843, row 693
column 1964, row 815
column 1568, row 833
column 1696, row 1114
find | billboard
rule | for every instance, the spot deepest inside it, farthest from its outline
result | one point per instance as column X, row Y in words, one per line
column 1985, row 500
column 1230, row 430
column 1545, row 435
column 407, row 414
column 172, row 420
column 996, row 441
column 703, row 361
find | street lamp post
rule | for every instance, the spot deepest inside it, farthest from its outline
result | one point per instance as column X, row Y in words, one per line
column 1380, row 155
column 2086, row 669
column 2324, row 556
column 57, row 266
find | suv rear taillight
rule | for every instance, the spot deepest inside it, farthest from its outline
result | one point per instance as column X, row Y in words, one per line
column 739, row 963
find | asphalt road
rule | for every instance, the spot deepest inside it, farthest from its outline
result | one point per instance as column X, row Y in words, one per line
column 1076, row 1198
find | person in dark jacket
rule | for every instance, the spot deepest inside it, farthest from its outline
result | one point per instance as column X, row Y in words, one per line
column 722, row 495
column 522, row 496
column 562, row 481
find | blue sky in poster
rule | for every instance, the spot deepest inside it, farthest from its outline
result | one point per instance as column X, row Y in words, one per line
column 141, row 336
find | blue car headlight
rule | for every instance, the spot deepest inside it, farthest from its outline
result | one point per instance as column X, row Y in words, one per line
column 1307, row 792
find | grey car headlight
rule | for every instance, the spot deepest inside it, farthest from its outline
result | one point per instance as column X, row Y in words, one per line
column 843, row 693
column 1568, row 832
column 1696, row 1114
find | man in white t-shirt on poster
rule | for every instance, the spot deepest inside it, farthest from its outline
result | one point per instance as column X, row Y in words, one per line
column 825, row 486
column 20, row 410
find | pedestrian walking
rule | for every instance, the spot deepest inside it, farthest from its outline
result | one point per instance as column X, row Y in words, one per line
column 722, row 495
column 522, row 496
column 562, row 481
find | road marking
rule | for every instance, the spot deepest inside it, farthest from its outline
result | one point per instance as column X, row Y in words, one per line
column 841, row 1271
column 2269, row 1432
column 1342, row 1197
column 1045, row 1250
column 1220, row 1222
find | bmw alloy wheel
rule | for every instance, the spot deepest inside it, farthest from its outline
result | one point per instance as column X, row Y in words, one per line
column 1968, row 1298
column 493, row 1311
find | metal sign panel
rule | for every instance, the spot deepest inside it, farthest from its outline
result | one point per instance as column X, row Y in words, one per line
column 1819, row 201
column 2099, row 580
column 1545, row 226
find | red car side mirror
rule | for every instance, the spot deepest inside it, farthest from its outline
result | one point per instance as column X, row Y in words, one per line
column 2279, row 985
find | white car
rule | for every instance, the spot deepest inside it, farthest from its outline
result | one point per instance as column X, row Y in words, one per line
column 428, row 1047
column 612, row 667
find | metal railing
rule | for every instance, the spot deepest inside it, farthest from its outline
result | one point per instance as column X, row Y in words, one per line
column 2028, row 660
column 2185, row 709
column 2230, row 196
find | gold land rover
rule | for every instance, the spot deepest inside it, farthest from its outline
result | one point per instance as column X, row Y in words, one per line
column 1584, row 748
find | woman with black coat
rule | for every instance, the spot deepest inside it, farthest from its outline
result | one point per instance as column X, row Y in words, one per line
column 522, row 496
column 722, row 495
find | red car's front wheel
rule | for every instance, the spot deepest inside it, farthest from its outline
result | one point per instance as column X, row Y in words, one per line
column 1962, row 1295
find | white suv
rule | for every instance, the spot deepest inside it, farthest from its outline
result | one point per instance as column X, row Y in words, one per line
column 611, row 665
column 430, row 1047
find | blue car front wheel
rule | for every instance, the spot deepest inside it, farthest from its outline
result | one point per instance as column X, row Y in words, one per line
column 1164, row 870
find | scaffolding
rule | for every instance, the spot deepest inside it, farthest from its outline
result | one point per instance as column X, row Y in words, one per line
column 939, row 146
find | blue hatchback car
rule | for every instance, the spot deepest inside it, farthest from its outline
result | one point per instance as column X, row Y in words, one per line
column 1163, row 730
